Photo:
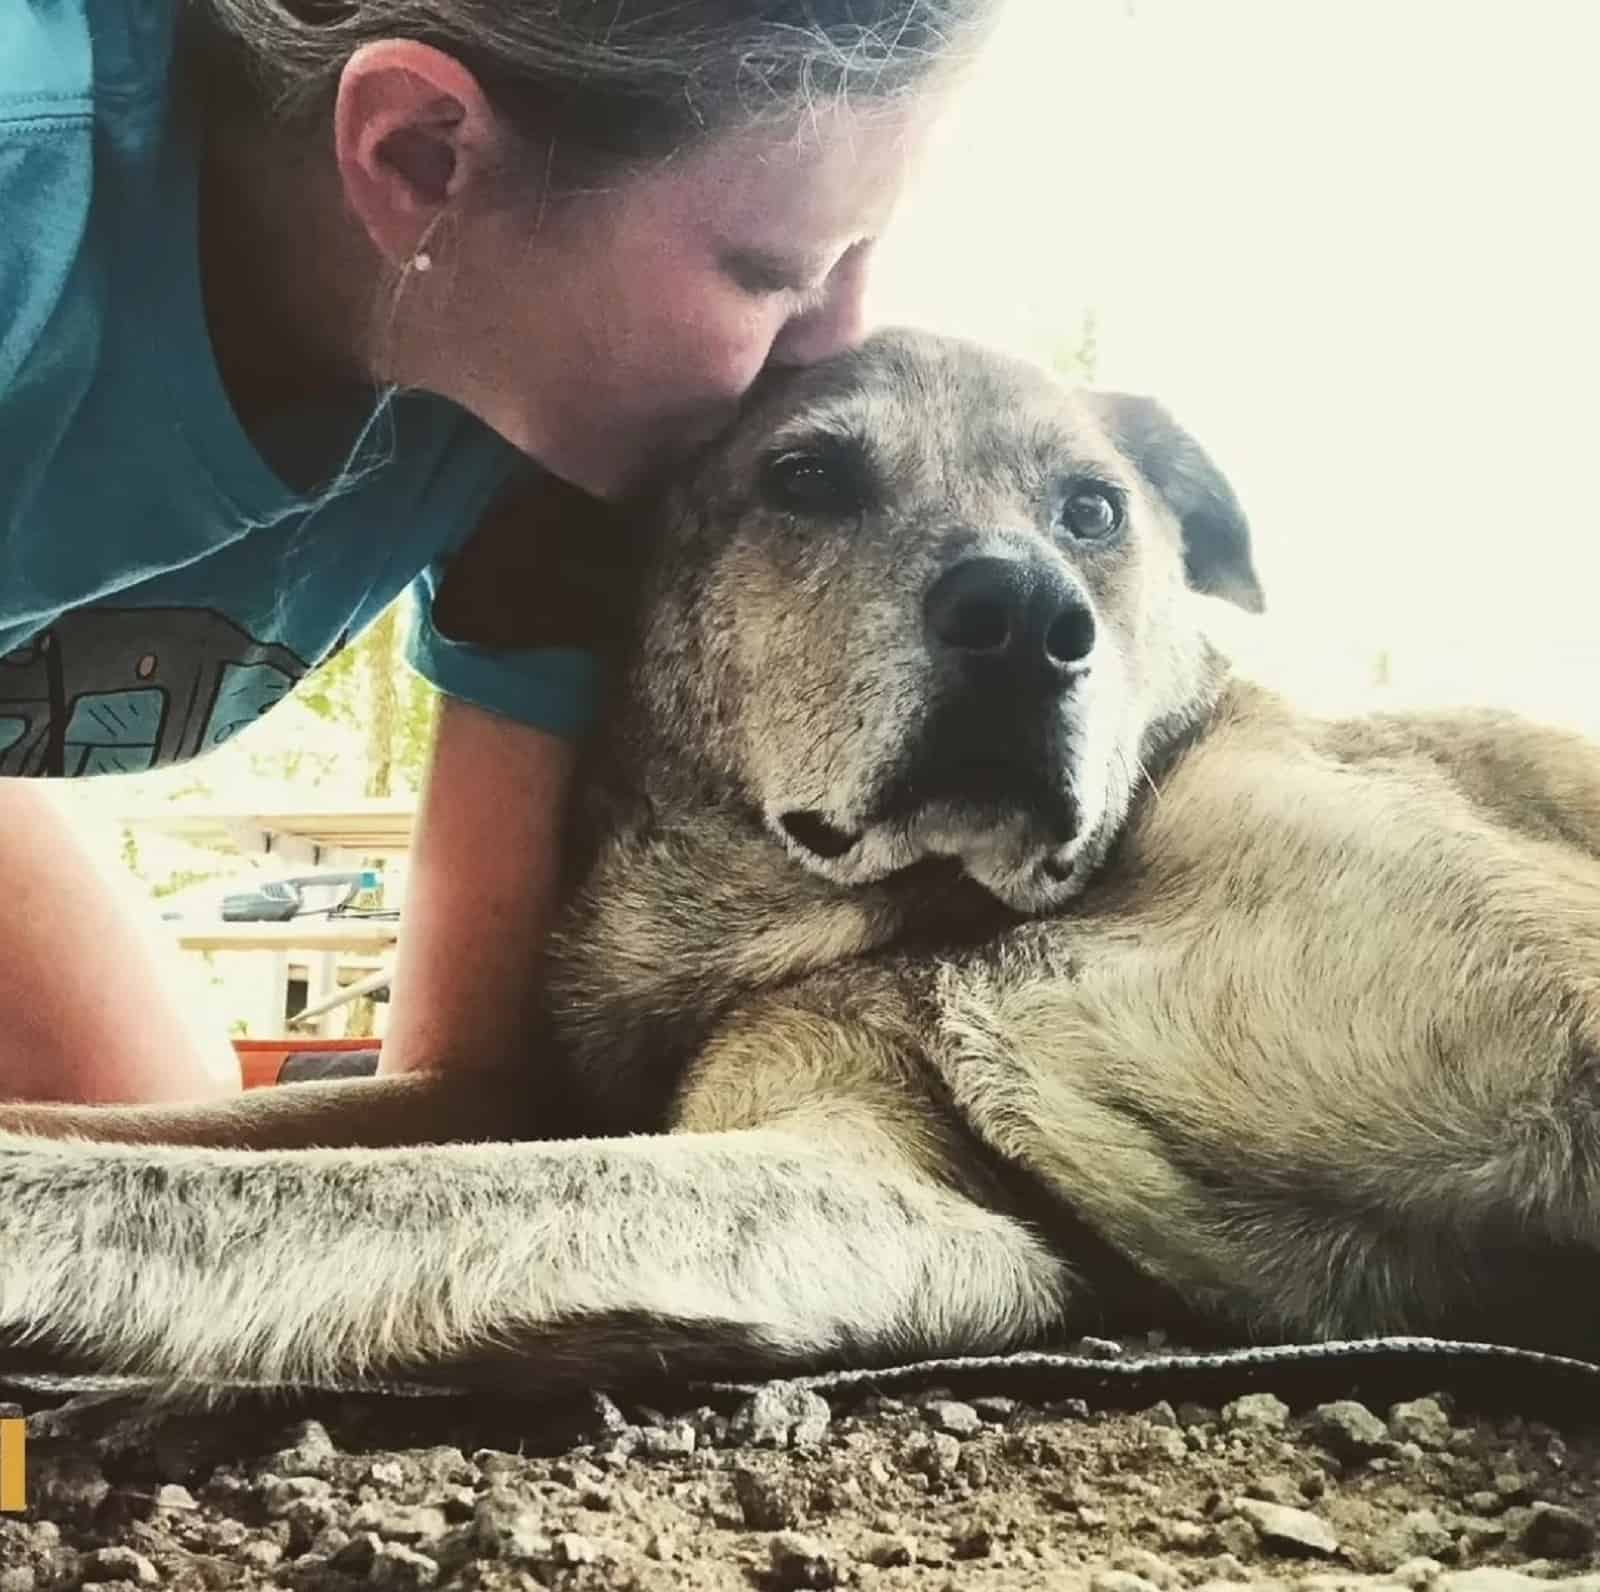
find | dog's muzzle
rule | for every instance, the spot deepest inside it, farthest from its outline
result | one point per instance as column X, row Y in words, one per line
column 993, row 773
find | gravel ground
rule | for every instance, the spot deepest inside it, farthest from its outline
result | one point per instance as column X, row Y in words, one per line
column 933, row 1489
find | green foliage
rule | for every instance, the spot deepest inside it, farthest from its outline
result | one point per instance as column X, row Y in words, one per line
column 366, row 688
column 1077, row 358
column 183, row 878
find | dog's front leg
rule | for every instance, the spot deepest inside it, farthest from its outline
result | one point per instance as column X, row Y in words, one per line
column 532, row 1265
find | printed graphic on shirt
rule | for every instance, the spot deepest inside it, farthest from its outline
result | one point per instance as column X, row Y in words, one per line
column 123, row 690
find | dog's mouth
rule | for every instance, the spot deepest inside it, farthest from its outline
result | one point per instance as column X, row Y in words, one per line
column 1018, row 800
column 1030, row 847
column 813, row 833
column 1022, row 862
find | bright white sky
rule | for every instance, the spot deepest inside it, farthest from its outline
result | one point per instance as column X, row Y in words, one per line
column 1354, row 244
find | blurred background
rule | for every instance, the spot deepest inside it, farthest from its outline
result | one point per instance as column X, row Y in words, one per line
column 1351, row 243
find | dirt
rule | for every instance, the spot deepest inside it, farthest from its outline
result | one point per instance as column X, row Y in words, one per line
column 935, row 1489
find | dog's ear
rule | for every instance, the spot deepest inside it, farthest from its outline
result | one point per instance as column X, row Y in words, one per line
column 1216, row 534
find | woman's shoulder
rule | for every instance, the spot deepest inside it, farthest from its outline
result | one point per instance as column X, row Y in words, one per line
column 46, row 162
column 62, row 61
column 46, row 67
column 76, row 76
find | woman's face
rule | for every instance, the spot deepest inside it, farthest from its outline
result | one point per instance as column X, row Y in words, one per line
column 623, row 326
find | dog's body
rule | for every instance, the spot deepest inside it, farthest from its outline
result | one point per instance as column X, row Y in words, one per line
column 998, row 964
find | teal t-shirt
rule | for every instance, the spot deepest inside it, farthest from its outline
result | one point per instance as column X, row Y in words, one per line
column 160, row 585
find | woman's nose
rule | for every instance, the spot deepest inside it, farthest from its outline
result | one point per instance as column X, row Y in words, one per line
column 837, row 323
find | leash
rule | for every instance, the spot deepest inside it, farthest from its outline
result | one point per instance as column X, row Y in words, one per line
column 1487, row 1377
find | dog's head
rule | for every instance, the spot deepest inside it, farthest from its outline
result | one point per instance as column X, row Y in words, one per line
column 928, row 601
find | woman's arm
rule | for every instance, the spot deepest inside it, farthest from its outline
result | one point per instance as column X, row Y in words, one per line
column 97, row 1004
column 481, row 893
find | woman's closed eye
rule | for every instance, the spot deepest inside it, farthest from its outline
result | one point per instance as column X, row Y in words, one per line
column 765, row 275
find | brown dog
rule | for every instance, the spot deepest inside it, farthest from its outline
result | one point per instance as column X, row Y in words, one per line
column 996, row 964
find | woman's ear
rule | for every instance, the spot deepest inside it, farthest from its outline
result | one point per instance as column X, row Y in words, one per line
column 413, row 134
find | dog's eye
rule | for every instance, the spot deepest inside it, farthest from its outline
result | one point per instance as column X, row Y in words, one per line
column 1091, row 514
column 822, row 482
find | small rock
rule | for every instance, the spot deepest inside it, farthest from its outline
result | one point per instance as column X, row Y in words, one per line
column 951, row 1415
column 279, row 1494
column 1489, row 1579
column 666, row 1440
column 881, row 1404
column 1556, row 1532
column 1120, row 1581
column 1225, row 1567
column 605, row 1417
column 781, row 1415
column 1348, row 1430
column 661, row 1546
column 935, row 1455
column 307, row 1519
column 1420, row 1421
column 1166, row 1442
column 765, row 1504
column 1287, row 1530
column 995, row 1407
column 1417, row 1535
column 386, row 1473
column 259, row 1553
column 401, row 1522
column 1254, row 1412
column 170, row 1495
column 800, row 1561
column 401, row 1569
column 1162, row 1414
column 356, row 1556
column 1417, row 1573
column 117, row 1564
column 309, row 1452
column 615, row 1452
column 68, row 1488
column 571, row 1549
column 326, row 1543
column 1099, row 1348
column 504, row 1526
column 972, row 1542
column 1275, row 1490
column 1187, row 1535
column 493, row 1462
column 1482, row 1536
column 890, row 1552
column 1147, row 1566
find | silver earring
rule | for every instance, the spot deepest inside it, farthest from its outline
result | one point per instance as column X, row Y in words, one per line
column 422, row 261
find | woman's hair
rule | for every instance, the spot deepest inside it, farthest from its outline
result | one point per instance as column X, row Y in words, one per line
column 610, row 82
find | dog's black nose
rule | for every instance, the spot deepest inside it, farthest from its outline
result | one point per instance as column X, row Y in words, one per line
column 1017, row 618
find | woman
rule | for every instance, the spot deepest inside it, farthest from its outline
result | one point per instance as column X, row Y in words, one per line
column 293, row 291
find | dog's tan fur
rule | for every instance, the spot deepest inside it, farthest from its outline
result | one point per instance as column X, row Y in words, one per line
column 1202, row 1005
